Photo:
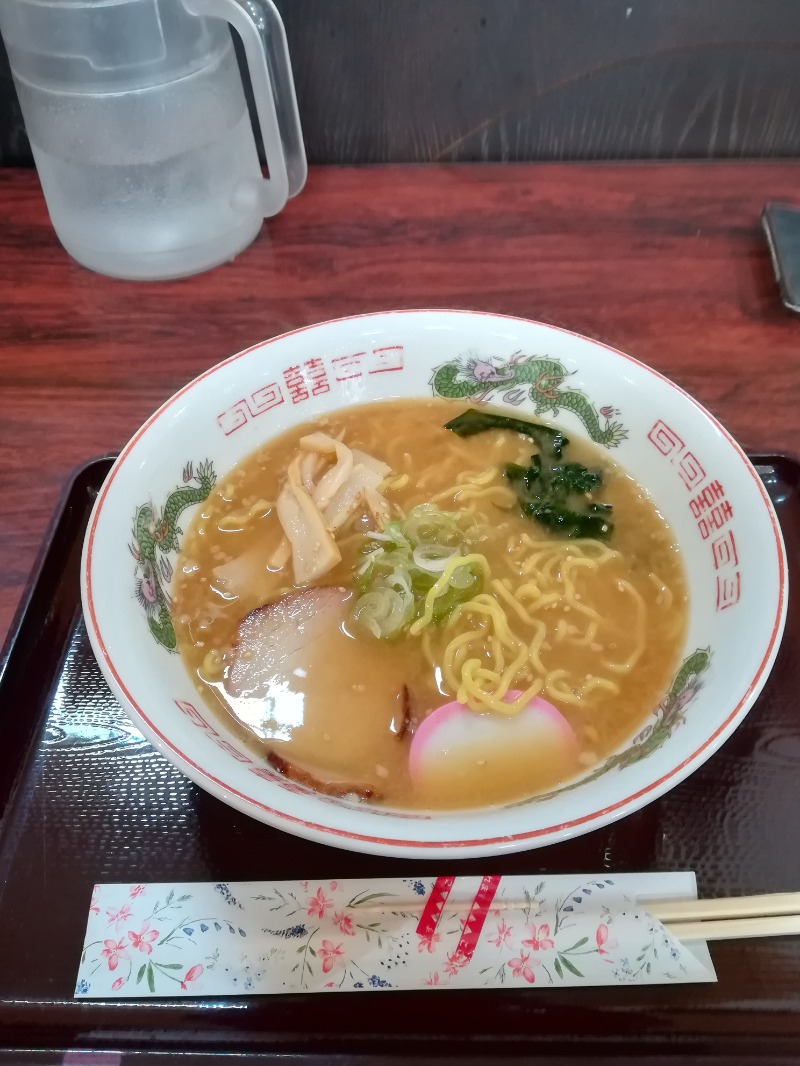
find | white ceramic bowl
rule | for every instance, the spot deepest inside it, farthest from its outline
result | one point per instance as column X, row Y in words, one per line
column 696, row 473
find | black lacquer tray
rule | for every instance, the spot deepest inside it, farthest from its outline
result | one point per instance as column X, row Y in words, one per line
column 84, row 799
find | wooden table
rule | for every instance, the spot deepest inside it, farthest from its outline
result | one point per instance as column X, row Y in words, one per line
column 665, row 261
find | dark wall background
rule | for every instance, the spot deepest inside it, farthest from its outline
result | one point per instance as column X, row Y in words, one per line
column 420, row 80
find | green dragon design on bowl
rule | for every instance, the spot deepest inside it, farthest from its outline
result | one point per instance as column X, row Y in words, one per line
column 155, row 539
column 526, row 377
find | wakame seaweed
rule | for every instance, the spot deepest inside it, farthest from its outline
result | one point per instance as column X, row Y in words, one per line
column 550, row 491
column 471, row 422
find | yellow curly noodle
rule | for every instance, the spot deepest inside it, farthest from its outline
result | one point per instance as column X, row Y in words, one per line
column 552, row 571
column 665, row 597
column 596, row 628
column 501, row 639
column 477, row 485
column 635, row 654
column 394, row 482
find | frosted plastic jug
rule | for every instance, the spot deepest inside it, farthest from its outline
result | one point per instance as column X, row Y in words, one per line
column 140, row 131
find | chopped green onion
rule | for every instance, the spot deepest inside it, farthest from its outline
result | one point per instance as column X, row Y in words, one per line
column 403, row 563
column 433, row 557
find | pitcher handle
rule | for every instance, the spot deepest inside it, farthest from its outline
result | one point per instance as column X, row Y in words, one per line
column 260, row 28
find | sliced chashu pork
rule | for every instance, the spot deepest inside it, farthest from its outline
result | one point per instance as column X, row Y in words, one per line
column 329, row 706
column 292, row 772
column 277, row 640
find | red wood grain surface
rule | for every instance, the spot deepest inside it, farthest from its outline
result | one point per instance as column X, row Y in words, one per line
column 665, row 261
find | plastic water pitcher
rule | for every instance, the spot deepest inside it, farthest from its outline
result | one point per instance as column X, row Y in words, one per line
column 139, row 126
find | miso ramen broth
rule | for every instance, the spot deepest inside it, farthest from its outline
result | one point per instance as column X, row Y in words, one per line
column 329, row 646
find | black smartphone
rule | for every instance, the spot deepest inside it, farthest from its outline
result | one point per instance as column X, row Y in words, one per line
column 781, row 224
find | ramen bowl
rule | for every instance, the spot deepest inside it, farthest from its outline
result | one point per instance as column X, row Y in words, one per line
column 696, row 474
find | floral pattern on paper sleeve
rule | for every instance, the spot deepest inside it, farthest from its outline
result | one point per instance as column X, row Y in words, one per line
column 326, row 936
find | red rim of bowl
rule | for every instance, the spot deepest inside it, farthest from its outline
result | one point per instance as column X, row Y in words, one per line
column 574, row 827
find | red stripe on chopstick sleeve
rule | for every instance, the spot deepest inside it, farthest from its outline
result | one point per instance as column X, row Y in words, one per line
column 476, row 919
column 434, row 906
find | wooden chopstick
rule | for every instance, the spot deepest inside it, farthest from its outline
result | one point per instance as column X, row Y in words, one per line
column 736, row 928
column 690, row 910
column 737, row 917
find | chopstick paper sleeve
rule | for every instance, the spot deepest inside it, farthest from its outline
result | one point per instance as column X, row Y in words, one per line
column 257, row 938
